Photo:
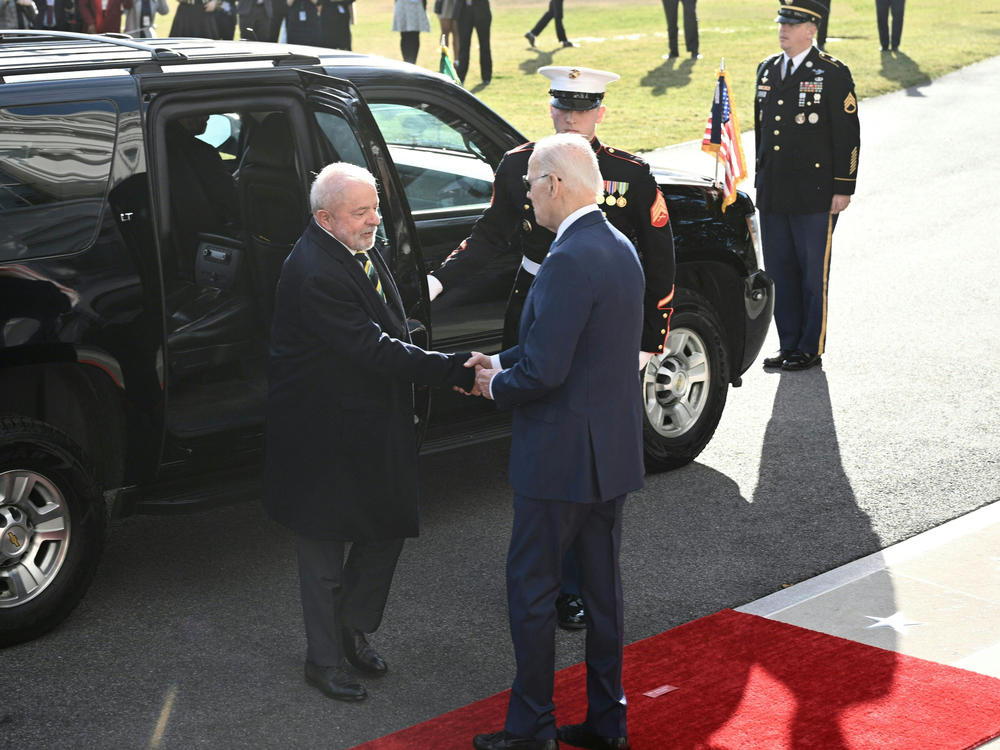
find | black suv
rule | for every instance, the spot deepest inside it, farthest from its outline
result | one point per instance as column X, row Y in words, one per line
column 135, row 294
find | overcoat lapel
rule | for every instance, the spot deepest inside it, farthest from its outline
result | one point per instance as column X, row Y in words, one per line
column 387, row 313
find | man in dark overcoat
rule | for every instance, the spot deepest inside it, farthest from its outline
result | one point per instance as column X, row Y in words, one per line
column 808, row 137
column 576, row 449
column 341, row 452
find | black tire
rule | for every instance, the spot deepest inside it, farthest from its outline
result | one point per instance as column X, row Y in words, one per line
column 59, row 565
column 684, row 392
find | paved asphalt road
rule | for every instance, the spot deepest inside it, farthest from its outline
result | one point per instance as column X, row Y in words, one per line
column 191, row 635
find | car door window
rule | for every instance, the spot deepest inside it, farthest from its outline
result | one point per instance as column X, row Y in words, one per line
column 439, row 159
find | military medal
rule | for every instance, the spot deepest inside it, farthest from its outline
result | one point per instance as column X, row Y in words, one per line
column 800, row 118
column 615, row 191
column 813, row 118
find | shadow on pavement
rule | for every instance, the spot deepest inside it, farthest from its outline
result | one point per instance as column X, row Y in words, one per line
column 900, row 67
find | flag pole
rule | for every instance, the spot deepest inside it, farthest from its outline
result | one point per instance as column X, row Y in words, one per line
column 718, row 155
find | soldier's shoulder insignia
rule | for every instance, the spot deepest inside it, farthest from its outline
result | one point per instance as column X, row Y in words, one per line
column 850, row 104
column 624, row 156
column 658, row 214
column 830, row 59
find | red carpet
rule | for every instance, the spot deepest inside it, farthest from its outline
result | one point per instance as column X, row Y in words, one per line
column 742, row 682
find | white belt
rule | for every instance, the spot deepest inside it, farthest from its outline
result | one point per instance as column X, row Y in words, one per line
column 530, row 266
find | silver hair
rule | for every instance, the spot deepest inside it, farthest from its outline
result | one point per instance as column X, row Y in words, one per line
column 329, row 183
column 570, row 157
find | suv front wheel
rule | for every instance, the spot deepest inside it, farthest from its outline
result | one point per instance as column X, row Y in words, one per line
column 684, row 390
column 52, row 527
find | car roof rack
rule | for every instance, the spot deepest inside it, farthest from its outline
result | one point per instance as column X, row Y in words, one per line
column 120, row 40
column 169, row 51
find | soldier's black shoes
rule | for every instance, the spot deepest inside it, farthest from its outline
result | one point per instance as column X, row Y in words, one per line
column 778, row 359
column 801, row 361
column 508, row 741
column 361, row 654
column 570, row 612
column 531, row 38
column 580, row 735
column 568, row 43
column 335, row 682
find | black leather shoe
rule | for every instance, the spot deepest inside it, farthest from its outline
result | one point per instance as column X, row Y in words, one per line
column 531, row 38
column 778, row 359
column 570, row 612
column 508, row 741
column 361, row 654
column 580, row 735
column 801, row 361
column 335, row 682
column 568, row 43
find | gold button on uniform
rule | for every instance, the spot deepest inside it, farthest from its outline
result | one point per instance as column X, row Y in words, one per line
column 777, row 132
column 780, row 102
column 777, row 118
column 777, row 148
column 663, row 330
column 817, row 165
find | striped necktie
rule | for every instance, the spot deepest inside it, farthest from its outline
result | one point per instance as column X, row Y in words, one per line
column 371, row 272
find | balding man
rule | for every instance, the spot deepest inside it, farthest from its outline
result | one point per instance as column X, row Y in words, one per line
column 576, row 448
column 341, row 457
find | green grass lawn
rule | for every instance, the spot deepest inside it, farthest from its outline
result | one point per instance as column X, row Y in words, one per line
column 659, row 102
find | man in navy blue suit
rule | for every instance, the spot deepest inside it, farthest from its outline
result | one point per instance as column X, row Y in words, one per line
column 576, row 449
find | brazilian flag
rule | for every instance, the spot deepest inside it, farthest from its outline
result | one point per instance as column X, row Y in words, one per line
column 446, row 67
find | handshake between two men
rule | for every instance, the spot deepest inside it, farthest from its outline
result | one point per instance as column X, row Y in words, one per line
column 486, row 368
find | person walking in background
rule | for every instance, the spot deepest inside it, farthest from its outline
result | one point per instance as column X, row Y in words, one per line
column 409, row 18
column 302, row 23
column 255, row 20
column 554, row 13
column 340, row 462
column 194, row 18
column 690, row 27
column 103, row 16
column 576, row 447
column 882, row 10
column 140, row 19
column 51, row 15
column 807, row 136
column 474, row 14
column 337, row 18
column 17, row 14
column 821, row 26
column 225, row 19
column 445, row 12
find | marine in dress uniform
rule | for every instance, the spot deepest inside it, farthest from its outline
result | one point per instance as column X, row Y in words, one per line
column 807, row 136
column 632, row 203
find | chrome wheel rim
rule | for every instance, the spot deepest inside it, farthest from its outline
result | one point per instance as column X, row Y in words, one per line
column 676, row 384
column 34, row 535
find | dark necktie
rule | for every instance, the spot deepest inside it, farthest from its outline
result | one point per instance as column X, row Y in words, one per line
column 371, row 272
column 50, row 16
column 788, row 69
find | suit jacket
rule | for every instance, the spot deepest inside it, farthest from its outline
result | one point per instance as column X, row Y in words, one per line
column 341, row 451
column 571, row 380
column 807, row 134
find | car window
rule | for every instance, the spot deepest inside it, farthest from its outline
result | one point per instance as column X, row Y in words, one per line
column 439, row 158
column 55, row 161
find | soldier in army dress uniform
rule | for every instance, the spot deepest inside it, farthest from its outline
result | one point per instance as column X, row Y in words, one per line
column 631, row 201
column 807, row 135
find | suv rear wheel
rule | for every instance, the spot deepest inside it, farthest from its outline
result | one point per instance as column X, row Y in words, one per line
column 52, row 526
column 684, row 390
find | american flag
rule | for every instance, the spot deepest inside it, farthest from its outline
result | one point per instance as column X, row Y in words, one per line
column 722, row 138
